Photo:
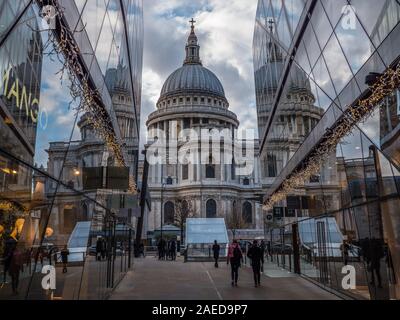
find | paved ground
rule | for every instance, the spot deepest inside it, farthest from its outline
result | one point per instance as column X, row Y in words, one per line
column 151, row 279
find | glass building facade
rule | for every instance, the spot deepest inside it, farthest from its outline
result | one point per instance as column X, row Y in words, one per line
column 314, row 62
column 60, row 193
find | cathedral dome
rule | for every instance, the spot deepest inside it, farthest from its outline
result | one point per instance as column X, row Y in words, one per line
column 268, row 77
column 192, row 78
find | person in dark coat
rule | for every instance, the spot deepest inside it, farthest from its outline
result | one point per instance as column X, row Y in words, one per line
column 103, row 249
column 345, row 248
column 15, row 269
column 99, row 248
column 376, row 254
column 235, row 258
column 7, row 256
column 64, row 258
column 257, row 258
column 216, row 248
column 172, row 249
column 141, row 250
column 160, row 247
column 168, row 251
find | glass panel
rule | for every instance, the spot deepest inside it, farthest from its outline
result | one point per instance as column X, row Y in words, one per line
column 338, row 67
column 355, row 44
column 93, row 18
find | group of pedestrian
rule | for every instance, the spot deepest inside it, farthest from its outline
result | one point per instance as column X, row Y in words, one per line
column 235, row 258
column 166, row 249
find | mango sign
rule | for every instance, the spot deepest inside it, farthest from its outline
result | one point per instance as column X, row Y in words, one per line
column 14, row 88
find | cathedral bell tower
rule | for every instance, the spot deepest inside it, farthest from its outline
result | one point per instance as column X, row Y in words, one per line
column 192, row 48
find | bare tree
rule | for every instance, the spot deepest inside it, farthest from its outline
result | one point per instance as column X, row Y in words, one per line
column 235, row 221
column 183, row 210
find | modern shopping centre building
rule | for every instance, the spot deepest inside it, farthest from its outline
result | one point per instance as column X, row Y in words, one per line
column 70, row 70
column 328, row 103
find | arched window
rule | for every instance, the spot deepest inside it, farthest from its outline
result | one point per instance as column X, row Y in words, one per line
column 247, row 212
column 169, row 213
column 185, row 171
column 210, row 169
column 246, row 181
column 211, row 209
column 169, row 180
column 271, row 165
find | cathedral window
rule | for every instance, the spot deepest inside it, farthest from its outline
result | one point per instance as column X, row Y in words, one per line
column 210, row 169
column 186, row 123
column 247, row 215
column 211, row 208
column 185, row 171
column 169, row 213
column 271, row 165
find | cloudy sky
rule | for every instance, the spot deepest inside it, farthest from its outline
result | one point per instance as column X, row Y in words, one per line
column 225, row 34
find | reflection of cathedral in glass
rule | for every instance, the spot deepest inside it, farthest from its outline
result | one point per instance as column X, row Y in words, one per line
column 297, row 114
column 91, row 151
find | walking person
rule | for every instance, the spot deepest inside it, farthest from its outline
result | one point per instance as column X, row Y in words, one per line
column 345, row 247
column 169, row 253
column 64, row 258
column 216, row 248
column 235, row 258
column 376, row 254
column 99, row 248
column 7, row 256
column 173, row 249
column 159, row 248
column 256, row 255
column 165, row 249
column 103, row 249
column 15, row 268
column 141, row 250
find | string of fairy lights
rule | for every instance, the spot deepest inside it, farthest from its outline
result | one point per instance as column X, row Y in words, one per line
column 12, row 206
column 360, row 112
column 63, row 46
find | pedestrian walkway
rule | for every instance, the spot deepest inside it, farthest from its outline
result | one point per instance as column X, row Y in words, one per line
column 152, row 279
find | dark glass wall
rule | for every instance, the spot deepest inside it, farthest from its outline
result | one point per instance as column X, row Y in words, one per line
column 53, row 211
column 313, row 58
